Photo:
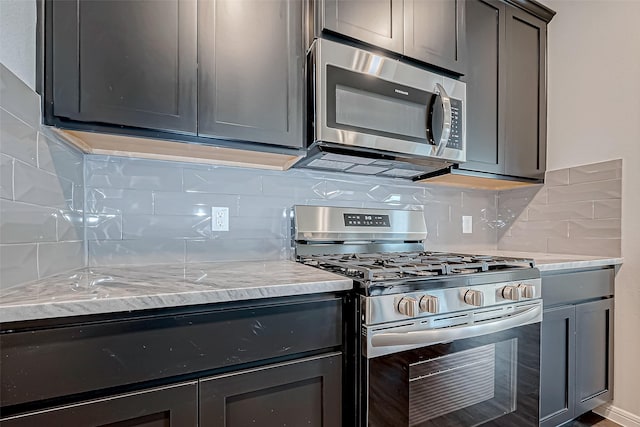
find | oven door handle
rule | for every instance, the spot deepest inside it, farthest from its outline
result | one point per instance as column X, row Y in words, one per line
column 436, row 336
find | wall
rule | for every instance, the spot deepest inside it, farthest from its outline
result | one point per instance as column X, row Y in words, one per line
column 41, row 191
column 144, row 211
column 594, row 115
column 18, row 38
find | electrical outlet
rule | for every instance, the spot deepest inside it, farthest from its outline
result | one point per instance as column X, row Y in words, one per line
column 467, row 224
column 219, row 219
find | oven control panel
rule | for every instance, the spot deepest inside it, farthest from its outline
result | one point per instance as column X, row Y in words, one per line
column 365, row 220
column 429, row 302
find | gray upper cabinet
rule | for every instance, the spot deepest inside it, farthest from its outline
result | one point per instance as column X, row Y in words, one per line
column 376, row 22
column 130, row 63
column 486, row 85
column 506, row 91
column 434, row 33
column 251, row 71
column 430, row 31
column 526, row 145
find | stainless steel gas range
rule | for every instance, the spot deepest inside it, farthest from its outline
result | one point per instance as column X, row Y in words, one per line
column 445, row 339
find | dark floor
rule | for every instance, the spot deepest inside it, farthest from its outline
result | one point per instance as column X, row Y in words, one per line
column 591, row 419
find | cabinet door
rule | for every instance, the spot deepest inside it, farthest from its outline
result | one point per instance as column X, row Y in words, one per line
column 557, row 366
column 526, row 108
column 304, row 392
column 251, row 74
column 434, row 32
column 594, row 356
column 127, row 63
column 161, row 407
column 377, row 22
column 486, row 85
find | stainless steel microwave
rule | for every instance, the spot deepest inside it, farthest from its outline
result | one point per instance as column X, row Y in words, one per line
column 374, row 115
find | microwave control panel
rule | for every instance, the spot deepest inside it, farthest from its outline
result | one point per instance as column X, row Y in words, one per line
column 455, row 138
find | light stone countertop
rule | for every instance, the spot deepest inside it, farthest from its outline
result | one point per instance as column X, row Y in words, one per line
column 552, row 262
column 93, row 290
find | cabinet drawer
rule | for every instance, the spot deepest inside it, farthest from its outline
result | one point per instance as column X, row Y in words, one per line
column 49, row 363
column 570, row 287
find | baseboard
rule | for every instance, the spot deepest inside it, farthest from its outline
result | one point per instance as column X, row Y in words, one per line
column 620, row 416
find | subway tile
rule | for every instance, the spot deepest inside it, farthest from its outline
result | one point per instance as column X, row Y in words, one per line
column 526, row 229
column 118, row 201
column 19, row 264
column 385, row 205
column 342, row 203
column 270, row 206
column 58, row 257
column 147, row 251
column 136, row 174
column 70, row 225
column 556, row 177
column 255, row 227
column 453, row 196
column 396, row 194
column 33, row 185
column 607, row 209
column 299, row 188
column 17, row 139
column 18, row 98
column 595, row 228
column 26, row 223
column 166, row 226
column 595, row 247
column 58, row 158
column 561, row 211
column 235, row 250
column 78, row 198
column 451, row 231
column 602, row 171
column 528, row 244
column 599, row 190
column 174, row 203
column 103, row 227
column 6, row 177
column 222, row 180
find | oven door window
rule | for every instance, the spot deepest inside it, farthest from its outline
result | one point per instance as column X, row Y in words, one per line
column 366, row 104
column 488, row 380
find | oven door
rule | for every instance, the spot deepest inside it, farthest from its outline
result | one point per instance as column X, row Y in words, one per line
column 491, row 379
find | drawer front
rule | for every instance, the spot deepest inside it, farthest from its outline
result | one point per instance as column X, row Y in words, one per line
column 563, row 288
column 49, row 363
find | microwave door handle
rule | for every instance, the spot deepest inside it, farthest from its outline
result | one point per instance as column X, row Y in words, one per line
column 446, row 121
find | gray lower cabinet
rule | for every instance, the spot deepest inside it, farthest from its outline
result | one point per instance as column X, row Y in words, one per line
column 576, row 371
column 131, row 63
column 506, row 91
column 251, row 71
column 175, row 405
column 303, row 392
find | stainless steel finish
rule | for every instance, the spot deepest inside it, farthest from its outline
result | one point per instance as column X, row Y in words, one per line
column 304, row 249
column 446, row 122
column 407, row 306
column 381, row 309
column 326, row 224
column 511, row 292
column 528, row 291
column 371, row 64
column 429, row 304
column 402, row 336
column 474, row 297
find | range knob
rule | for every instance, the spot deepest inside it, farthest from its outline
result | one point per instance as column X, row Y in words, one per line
column 511, row 292
column 473, row 297
column 408, row 306
column 429, row 304
column 528, row 291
